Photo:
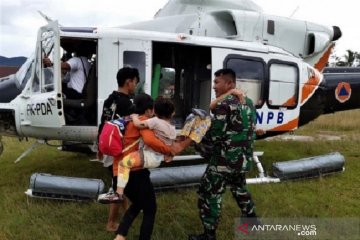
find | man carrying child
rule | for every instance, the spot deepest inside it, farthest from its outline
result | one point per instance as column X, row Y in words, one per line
column 146, row 157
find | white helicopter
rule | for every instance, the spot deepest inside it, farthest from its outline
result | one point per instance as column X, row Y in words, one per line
column 278, row 62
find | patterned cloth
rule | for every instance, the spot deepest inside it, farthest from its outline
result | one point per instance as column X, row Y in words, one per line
column 196, row 125
column 232, row 135
column 131, row 160
column 145, row 157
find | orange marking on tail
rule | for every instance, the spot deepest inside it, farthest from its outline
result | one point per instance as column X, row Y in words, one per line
column 321, row 64
column 314, row 81
column 310, row 86
column 287, row 126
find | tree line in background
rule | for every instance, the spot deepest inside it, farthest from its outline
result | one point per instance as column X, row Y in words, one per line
column 349, row 59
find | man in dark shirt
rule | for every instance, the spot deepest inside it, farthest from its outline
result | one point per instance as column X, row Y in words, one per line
column 118, row 104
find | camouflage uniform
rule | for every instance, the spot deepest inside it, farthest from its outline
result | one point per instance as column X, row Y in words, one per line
column 232, row 135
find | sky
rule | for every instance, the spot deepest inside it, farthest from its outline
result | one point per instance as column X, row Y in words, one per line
column 19, row 19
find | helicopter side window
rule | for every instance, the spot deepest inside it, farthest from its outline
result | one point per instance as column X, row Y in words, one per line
column 35, row 86
column 27, row 76
column 24, row 73
column 166, row 83
column 47, row 45
column 44, row 77
column 249, row 77
column 283, row 85
column 137, row 60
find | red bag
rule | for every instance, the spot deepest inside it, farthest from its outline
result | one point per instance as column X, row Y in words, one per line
column 111, row 139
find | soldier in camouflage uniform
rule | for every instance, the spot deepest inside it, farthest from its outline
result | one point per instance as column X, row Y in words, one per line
column 231, row 136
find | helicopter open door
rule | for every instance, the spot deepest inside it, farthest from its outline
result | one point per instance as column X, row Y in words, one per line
column 42, row 95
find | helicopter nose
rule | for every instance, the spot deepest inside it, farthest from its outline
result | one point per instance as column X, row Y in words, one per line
column 337, row 33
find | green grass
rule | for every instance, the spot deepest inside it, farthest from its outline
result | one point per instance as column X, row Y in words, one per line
column 327, row 197
column 345, row 123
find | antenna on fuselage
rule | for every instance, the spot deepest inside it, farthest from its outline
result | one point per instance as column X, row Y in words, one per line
column 295, row 10
column 47, row 18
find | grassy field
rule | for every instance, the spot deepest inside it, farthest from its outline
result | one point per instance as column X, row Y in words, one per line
column 335, row 196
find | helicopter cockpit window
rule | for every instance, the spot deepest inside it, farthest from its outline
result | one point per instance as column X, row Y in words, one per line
column 35, row 87
column 24, row 73
column 44, row 76
column 249, row 77
column 283, row 85
column 137, row 60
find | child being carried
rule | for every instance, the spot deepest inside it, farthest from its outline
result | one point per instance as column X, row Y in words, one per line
column 145, row 157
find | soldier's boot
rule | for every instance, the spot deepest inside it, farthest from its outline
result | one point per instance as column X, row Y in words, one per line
column 251, row 219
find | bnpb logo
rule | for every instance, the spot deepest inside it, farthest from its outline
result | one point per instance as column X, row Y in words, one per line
column 343, row 92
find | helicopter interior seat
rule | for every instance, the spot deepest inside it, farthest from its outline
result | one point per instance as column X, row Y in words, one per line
column 83, row 111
